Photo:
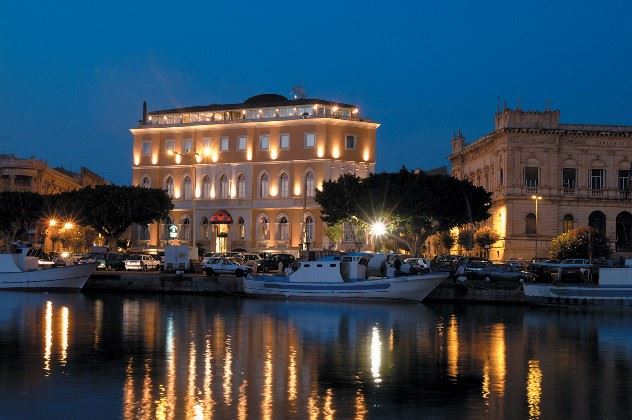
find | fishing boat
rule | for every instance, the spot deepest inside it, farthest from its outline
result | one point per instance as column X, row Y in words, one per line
column 613, row 288
column 343, row 277
column 20, row 270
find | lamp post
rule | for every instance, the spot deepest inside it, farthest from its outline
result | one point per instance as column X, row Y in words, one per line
column 536, row 198
column 378, row 229
column 194, row 224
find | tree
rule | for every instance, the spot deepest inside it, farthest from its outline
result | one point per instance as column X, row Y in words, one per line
column 581, row 242
column 111, row 209
column 465, row 238
column 485, row 236
column 19, row 211
column 418, row 205
column 447, row 240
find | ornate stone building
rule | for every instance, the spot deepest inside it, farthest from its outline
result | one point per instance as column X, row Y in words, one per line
column 243, row 176
column 547, row 177
column 34, row 175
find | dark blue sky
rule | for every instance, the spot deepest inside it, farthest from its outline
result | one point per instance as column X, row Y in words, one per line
column 73, row 75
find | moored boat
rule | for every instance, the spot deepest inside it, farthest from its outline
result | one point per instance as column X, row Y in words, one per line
column 19, row 270
column 613, row 288
column 343, row 277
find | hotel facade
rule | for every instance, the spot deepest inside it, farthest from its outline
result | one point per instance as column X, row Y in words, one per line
column 244, row 176
column 547, row 178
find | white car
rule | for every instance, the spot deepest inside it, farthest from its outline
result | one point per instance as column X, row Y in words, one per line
column 141, row 262
column 216, row 266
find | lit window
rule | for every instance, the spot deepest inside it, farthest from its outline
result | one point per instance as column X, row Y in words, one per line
column 170, row 146
column 264, row 142
column 187, row 146
column 146, row 150
column 242, row 228
column 309, row 184
column 285, row 141
column 285, row 188
column 169, row 186
column 223, row 141
column 241, row 186
column 224, row 188
column 310, row 140
column 242, row 142
column 206, row 187
column 188, row 190
column 206, row 143
column 350, row 141
column 263, row 186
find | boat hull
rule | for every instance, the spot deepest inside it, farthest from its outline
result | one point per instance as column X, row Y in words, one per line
column 414, row 288
column 73, row 277
column 549, row 293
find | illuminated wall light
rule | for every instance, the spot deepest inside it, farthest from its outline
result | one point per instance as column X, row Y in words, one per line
column 136, row 159
column 176, row 192
column 355, row 111
column 274, row 154
column 154, row 159
column 335, row 152
column 198, row 192
column 297, row 188
column 249, row 154
column 365, row 155
column 320, row 152
column 335, row 109
column 198, row 157
column 212, row 191
column 274, row 191
column 207, row 151
column 215, row 157
column 178, row 159
column 233, row 190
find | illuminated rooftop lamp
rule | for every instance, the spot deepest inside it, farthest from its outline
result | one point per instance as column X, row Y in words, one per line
column 52, row 222
column 68, row 225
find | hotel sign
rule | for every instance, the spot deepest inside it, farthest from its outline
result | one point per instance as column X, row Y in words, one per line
column 173, row 231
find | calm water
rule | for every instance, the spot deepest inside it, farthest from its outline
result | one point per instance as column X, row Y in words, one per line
column 171, row 357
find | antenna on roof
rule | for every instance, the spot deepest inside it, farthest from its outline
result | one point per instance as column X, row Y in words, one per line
column 298, row 92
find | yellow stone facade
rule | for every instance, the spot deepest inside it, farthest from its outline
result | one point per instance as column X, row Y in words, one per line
column 259, row 162
column 578, row 174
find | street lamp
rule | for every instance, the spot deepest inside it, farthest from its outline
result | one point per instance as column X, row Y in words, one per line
column 378, row 229
column 536, row 198
column 196, row 156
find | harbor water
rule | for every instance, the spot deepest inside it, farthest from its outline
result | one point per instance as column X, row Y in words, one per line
column 108, row 356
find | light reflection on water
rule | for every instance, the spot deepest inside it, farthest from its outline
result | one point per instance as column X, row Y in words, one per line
column 202, row 357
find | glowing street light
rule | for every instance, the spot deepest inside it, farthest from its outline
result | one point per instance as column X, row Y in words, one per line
column 52, row 222
column 68, row 225
column 378, row 228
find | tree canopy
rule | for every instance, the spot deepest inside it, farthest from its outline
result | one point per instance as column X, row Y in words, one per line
column 581, row 242
column 18, row 211
column 414, row 204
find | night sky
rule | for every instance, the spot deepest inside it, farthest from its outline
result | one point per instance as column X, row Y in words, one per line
column 73, row 75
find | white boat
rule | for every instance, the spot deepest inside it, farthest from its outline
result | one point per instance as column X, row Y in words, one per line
column 343, row 277
column 20, row 271
column 614, row 287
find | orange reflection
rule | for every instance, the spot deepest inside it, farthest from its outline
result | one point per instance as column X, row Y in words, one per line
column 128, row 392
column 189, row 403
column 328, row 406
column 266, row 404
column 209, row 404
column 165, row 406
column 485, row 386
column 534, row 389
column 312, row 405
column 498, row 368
column 242, row 408
column 48, row 336
column 64, row 336
column 360, row 406
column 228, row 375
column 453, row 347
column 146, row 400
column 376, row 355
column 98, row 322
column 292, row 379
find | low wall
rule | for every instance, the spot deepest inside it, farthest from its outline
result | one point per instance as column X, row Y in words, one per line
column 451, row 292
column 164, row 283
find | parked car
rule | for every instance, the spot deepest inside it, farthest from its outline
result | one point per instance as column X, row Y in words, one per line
column 272, row 262
column 216, row 266
column 111, row 261
column 417, row 265
column 500, row 272
column 252, row 260
column 141, row 262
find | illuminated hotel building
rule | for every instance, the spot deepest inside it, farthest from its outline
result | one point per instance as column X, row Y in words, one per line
column 547, row 178
column 243, row 176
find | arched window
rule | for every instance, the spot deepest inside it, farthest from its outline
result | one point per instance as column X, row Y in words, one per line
column 206, row 187
column 146, row 182
column 206, row 229
column 284, row 185
column 309, row 229
column 263, row 186
column 530, row 227
column 241, row 186
column 624, row 232
column 567, row 223
column 224, row 188
column 282, row 229
column 169, row 186
column 597, row 221
column 241, row 225
column 263, row 228
column 185, row 229
column 309, row 184
column 188, row 190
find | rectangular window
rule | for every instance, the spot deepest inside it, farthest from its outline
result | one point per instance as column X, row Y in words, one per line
column 624, row 180
column 170, row 146
column 350, row 141
column 146, row 148
column 223, row 144
column 310, row 140
column 531, row 177
column 597, row 179
column 242, row 142
column 264, row 142
column 569, row 178
column 285, row 141
column 187, row 146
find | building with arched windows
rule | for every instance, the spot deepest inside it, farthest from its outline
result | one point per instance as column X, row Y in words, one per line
column 547, row 178
column 244, row 176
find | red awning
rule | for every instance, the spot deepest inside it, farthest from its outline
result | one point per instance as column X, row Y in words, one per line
column 221, row 217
